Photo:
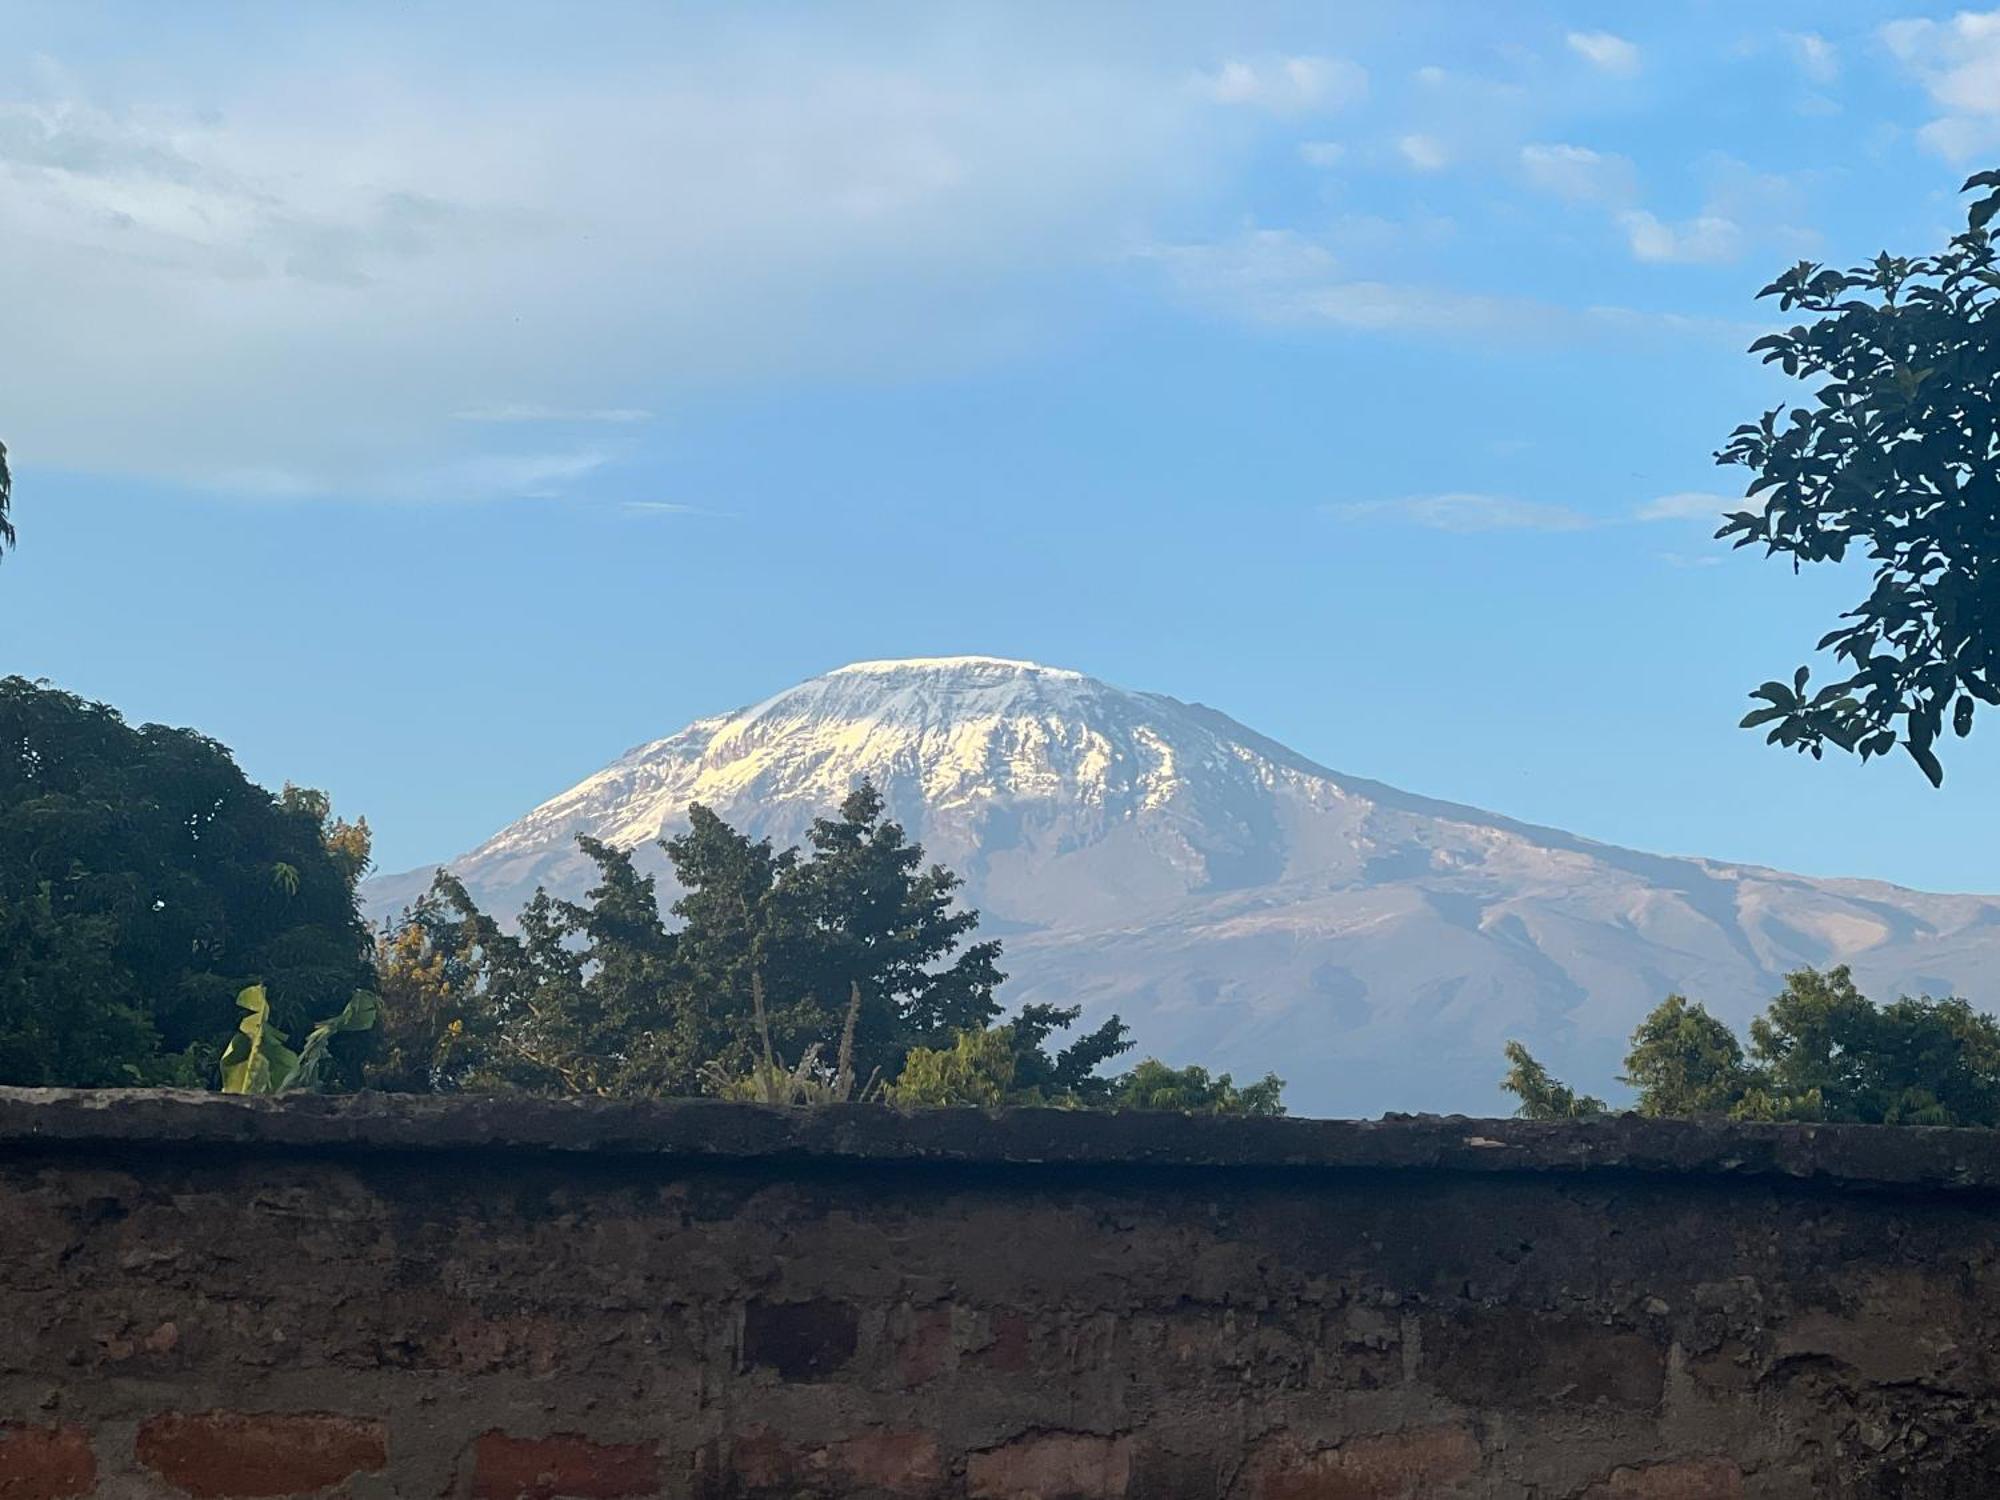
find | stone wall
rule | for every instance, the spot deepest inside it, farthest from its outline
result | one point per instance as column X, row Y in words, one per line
column 511, row 1300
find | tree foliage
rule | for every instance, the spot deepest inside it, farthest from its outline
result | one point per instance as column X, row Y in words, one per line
column 1685, row 1062
column 842, row 970
column 1897, row 455
column 145, row 882
column 257, row 1061
column 1542, row 1098
column 1820, row 1051
column 1155, row 1085
column 600, row 997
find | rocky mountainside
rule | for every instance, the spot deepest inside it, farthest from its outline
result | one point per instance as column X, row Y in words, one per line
column 1241, row 905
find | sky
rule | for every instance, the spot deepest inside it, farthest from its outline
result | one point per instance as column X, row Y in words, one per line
column 431, row 401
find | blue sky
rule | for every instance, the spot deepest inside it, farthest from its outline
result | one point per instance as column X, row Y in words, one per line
column 432, row 401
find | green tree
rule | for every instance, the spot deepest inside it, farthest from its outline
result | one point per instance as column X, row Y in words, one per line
column 864, row 910
column 976, row 1069
column 1012, row 1064
column 1897, row 454
column 144, row 882
column 1542, row 1097
column 1154, row 1085
column 728, row 935
column 432, row 974
column 1685, row 1062
column 1827, row 1052
column 1071, row 1075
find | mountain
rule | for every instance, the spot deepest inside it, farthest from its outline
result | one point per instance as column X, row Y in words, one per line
column 1239, row 904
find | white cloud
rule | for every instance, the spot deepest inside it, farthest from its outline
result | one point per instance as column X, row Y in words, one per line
column 1424, row 153
column 1688, row 505
column 1816, row 57
column 1287, row 85
column 1465, row 512
column 1278, row 278
column 1704, row 240
column 1579, row 173
column 1322, row 153
column 1958, row 62
column 527, row 412
column 292, row 281
column 1605, row 52
column 668, row 508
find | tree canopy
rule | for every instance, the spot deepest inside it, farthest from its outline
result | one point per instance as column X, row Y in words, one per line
column 1897, row 455
column 1820, row 1051
column 145, row 882
column 850, row 947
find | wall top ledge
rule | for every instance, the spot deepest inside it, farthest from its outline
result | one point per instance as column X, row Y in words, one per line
column 1857, row 1156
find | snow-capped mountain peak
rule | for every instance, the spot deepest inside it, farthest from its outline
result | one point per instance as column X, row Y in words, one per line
column 1242, row 905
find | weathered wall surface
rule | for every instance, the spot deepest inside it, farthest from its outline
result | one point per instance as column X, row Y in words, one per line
column 363, row 1298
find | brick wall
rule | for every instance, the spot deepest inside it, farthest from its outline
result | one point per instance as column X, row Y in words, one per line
column 524, row 1301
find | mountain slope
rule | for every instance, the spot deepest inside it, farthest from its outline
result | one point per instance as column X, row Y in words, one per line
column 1241, row 905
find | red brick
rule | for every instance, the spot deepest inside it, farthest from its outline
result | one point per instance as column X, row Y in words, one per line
column 45, row 1463
column 1682, row 1479
column 1052, row 1466
column 1010, row 1351
column 899, row 1462
column 233, row 1455
column 564, row 1464
column 1391, row 1466
column 924, row 1351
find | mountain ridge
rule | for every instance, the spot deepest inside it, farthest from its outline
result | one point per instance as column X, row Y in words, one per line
column 1242, row 904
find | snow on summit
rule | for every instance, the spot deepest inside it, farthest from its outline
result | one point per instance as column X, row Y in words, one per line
column 1239, row 903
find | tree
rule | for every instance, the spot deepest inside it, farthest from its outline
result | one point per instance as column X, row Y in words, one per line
column 1542, row 1097
column 432, row 974
column 1685, row 1062
column 6, row 502
column 1154, row 1085
column 1898, row 454
column 1012, row 1064
column 854, row 950
column 863, row 910
column 978, row 1068
column 144, row 882
column 1071, row 1074
column 1827, row 1052
column 1822, row 1050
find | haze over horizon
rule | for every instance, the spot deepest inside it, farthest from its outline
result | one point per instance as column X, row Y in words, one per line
column 450, row 407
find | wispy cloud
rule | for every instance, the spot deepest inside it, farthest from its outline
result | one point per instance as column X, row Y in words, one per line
column 346, row 244
column 1958, row 62
column 1471, row 511
column 1688, row 505
column 1278, row 278
column 1287, row 85
column 1464, row 512
column 1816, row 57
column 1424, row 153
column 1605, row 52
column 669, row 508
column 1703, row 240
column 1579, row 173
column 531, row 413
column 1322, row 153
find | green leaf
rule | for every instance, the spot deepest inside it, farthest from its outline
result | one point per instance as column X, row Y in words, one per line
column 257, row 1061
column 360, row 1014
column 1927, row 760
